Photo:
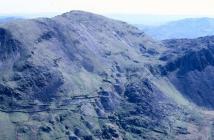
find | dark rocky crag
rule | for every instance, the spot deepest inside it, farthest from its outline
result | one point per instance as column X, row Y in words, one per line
column 191, row 68
column 84, row 76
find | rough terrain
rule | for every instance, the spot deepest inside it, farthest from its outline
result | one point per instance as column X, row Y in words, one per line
column 84, row 76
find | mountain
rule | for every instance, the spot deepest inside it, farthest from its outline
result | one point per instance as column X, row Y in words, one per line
column 192, row 70
column 8, row 19
column 186, row 28
column 83, row 76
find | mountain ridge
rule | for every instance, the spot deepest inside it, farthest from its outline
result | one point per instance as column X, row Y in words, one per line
column 186, row 28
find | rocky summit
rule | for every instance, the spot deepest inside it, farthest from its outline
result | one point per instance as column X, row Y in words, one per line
column 81, row 76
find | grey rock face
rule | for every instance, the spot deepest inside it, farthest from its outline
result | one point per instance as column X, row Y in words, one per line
column 84, row 76
column 191, row 70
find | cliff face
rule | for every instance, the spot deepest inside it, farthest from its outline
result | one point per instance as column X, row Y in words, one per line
column 83, row 76
column 191, row 69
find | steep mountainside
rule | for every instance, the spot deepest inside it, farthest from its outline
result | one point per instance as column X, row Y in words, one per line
column 190, row 67
column 186, row 28
column 84, row 76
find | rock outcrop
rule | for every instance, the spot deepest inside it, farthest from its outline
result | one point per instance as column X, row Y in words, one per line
column 191, row 69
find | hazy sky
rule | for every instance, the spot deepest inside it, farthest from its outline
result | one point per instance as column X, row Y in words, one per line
column 108, row 7
column 172, row 7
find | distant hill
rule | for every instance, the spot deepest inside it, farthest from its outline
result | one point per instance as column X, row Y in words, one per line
column 186, row 28
column 7, row 19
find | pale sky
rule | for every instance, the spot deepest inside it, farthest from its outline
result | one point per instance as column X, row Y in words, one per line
column 108, row 7
column 169, row 7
